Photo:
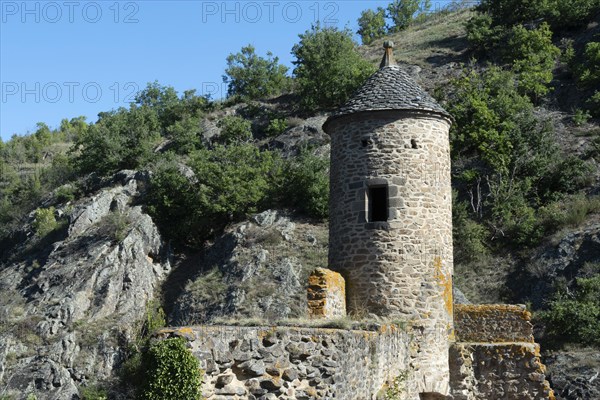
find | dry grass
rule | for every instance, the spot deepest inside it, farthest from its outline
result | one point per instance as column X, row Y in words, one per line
column 436, row 41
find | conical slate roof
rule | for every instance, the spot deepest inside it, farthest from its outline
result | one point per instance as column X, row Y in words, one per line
column 390, row 88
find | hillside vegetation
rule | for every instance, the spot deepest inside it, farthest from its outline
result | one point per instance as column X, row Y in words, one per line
column 523, row 88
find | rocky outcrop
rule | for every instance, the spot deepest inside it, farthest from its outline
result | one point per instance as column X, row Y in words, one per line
column 571, row 255
column 72, row 300
column 257, row 269
column 574, row 374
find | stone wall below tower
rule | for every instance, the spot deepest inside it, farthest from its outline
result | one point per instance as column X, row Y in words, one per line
column 298, row 363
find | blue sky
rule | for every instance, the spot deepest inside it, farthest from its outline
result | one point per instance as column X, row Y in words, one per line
column 61, row 59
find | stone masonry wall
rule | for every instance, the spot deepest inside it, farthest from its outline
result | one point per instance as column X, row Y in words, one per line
column 401, row 267
column 296, row 363
column 496, row 357
column 492, row 323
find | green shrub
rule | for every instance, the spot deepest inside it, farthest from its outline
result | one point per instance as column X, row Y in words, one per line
column 306, row 180
column 276, row 126
column 121, row 139
column 186, row 135
column 93, row 393
column 252, row 77
column 234, row 129
column 116, row 225
column 172, row 372
column 227, row 184
column 371, row 25
column 328, row 67
column 581, row 117
column 469, row 235
column 533, row 58
column 560, row 13
column 574, row 316
column 44, row 221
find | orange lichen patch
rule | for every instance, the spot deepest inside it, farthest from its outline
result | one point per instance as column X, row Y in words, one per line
column 483, row 310
column 445, row 282
column 184, row 332
column 326, row 294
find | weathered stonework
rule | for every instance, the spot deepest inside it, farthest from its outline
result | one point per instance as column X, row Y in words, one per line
column 493, row 323
column 297, row 363
column 401, row 267
column 326, row 294
column 495, row 357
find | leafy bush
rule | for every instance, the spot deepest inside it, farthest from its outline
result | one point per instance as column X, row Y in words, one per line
column 307, row 184
column 588, row 73
column 233, row 181
column 44, row 221
column 328, row 67
column 277, row 126
column 581, row 117
column 234, row 129
column 469, row 236
column 254, row 77
column 371, row 25
column 560, row 13
column 122, row 139
column 574, row 316
column 227, row 184
column 533, row 58
column 172, row 372
column 93, row 393
column 186, row 135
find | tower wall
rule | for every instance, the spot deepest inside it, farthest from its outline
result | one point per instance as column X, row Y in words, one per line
column 400, row 267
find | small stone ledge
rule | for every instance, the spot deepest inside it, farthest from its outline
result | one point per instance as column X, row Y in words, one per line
column 492, row 323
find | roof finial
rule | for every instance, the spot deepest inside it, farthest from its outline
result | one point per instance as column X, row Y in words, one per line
column 388, row 56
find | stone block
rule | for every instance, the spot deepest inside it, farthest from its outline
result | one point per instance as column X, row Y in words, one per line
column 492, row 323
column 326, row 294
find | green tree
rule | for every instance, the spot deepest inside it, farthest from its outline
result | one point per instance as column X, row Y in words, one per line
column 253, row 77
column 224, row 185
column 328, row 67
column 306, row 184
column 371, row 25
column 507, row 162
column 402, row 13
column 162, row 100
column 121, row 139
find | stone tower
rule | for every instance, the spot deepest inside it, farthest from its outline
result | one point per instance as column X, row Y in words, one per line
column 391, row 213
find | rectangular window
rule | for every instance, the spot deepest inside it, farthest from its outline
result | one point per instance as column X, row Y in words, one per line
column 378, row 203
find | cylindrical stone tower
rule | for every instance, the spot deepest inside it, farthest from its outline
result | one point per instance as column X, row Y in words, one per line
column 391, row 212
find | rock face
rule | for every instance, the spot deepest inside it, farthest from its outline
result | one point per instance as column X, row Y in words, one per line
column 574, row 374
column 573, row 255
column 257, row 269
column 70, row 302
